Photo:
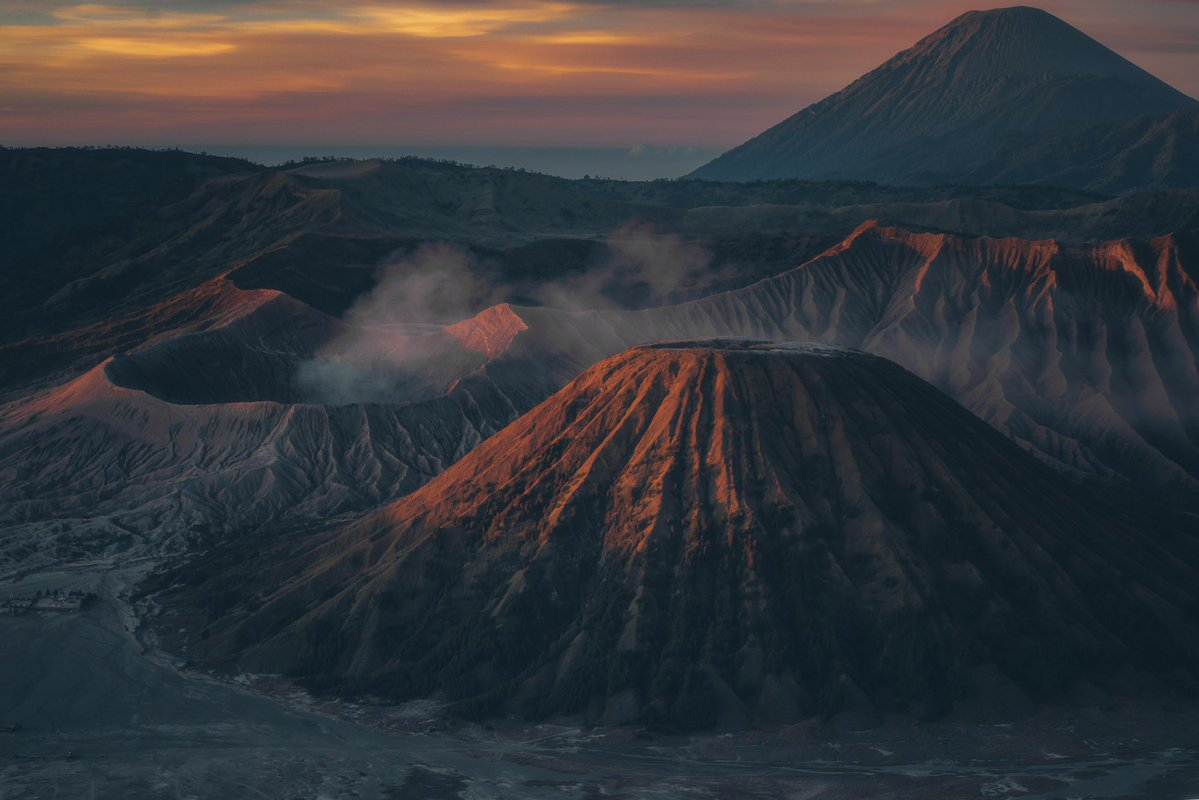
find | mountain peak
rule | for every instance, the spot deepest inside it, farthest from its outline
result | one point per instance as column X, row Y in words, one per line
column 985, row 82
column 489, row 332
column 1023, row 41
column 1006, row 16
column 1010, row 12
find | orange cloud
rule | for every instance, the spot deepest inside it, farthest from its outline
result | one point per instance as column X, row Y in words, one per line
column 484, row 71
column 144, row 48
column 450, row 22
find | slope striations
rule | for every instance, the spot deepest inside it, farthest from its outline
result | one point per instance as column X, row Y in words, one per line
column 1087, row 355
column 988, row 81
column 230, row 430
column 252, row 410
column 729, row 532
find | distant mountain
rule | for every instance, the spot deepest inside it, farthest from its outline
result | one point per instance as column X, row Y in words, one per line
column 967, row 103
column 55, row 197
column 721, row 532
column 1143, row 153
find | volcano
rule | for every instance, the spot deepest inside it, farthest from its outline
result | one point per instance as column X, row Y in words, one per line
column 971, row 100
column 720, row 532
column 1084, row 354
column 243, row 411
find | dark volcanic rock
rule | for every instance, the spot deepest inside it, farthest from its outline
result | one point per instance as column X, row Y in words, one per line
column 228, row 429
column 1086, row 355
column 723, row 533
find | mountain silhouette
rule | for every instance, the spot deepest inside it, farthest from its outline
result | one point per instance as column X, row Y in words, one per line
column 989, row 84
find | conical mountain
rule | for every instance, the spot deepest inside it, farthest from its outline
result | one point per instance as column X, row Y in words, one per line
column 988, row 82
column 721, row 532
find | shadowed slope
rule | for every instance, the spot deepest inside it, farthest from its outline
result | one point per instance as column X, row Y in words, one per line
column 1085, row 355
column 165, row 276
column 217, row 431
column 723, row 531
column 321, row 235
column 987, row 80
column 1137, row 154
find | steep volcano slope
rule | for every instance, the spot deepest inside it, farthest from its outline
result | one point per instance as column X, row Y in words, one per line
column 728, row 531
column 1087, row 355
column 987, row 81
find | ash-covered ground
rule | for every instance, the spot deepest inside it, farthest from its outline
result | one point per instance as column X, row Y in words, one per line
column 103, row 714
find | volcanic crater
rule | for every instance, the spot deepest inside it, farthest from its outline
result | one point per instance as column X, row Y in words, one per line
column 724, row 532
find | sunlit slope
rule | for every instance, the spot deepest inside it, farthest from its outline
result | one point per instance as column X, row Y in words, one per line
column 723, row 532
column 1087, row 355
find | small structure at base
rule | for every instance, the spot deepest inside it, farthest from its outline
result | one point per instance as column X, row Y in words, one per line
column 17, row 605
column 59, row 602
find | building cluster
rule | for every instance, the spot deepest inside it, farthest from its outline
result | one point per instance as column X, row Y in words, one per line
column 65, row 602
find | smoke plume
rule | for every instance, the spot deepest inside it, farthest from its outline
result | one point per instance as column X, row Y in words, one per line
column 644, row 268
column 391, row 348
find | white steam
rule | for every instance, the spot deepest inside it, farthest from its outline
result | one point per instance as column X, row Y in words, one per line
column 392, row 348
column 644, row 268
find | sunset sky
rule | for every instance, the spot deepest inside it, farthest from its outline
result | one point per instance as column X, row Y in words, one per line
column 472, row 72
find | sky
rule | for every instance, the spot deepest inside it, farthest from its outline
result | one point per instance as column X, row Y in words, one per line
column 672, row 77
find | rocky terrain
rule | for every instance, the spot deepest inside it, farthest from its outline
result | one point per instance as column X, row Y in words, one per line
column 724, row 533
column 217, row 432
column 1086, row 355
column 1132, row 155
column 250, row 409
column 323, row 234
